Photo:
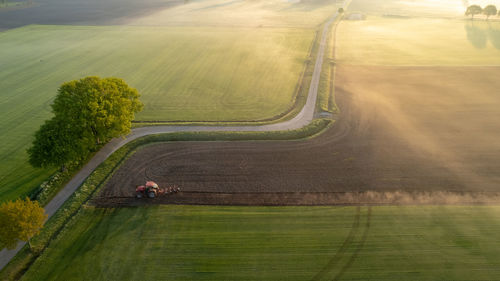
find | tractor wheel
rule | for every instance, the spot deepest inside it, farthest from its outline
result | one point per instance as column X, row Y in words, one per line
column 151, row 194
column 138, row 195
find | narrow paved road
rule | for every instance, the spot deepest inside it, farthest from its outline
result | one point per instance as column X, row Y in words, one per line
column 302, row 119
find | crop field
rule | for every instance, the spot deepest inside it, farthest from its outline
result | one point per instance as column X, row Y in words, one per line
column 265, row 243
column 417, row 129
column 253, row 74
column 400, row 128
column 185, row 71
column 244, row 13
column 419, row 8
column 10, row 4
column 417, row 41
column 275, row 13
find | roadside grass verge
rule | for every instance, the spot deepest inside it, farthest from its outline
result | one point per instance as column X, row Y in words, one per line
column 73, row 205
column 267, row 243
column 326, row 89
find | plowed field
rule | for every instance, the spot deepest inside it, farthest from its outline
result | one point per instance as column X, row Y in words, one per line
column 408, row 129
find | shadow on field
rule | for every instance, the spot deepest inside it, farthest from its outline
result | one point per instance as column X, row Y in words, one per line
column 75, row 12
column 479, row 33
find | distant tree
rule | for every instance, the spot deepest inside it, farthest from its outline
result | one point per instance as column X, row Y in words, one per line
column 490, row 10
column 473, row 10
column 341, row 10
column 20, row 220
column 88, row 112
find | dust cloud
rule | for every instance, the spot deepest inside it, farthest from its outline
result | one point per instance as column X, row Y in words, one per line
column 449, row 116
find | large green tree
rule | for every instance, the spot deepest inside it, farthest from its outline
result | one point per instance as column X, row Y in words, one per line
column 87, row 113
column 20, row 220
column 56, row 143
column 473, row 10
column 490, row 10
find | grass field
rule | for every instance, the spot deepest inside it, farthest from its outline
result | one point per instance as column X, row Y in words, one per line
column 425, row 8
column 255, row 13
column 206, row 60
column 417, row 41
column 183, row 73
column 261, row 243
column 402, row 7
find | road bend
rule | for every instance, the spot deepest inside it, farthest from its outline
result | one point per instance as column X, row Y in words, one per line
column 303, row 118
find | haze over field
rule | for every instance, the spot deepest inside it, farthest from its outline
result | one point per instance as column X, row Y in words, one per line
column 434, row 8
column 417, row 41
column 406, row 131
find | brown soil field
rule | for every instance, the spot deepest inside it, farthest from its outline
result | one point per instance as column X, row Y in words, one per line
column 417, row 132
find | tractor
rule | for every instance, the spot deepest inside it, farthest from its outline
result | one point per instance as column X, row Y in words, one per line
column 151, row 190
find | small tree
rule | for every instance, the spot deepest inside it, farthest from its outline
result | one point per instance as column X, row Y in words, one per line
column 490, row 10
column 341, row 10
column 473, row 10
column 20, row 220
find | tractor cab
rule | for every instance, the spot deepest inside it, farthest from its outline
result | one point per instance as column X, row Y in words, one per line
column 150, row 190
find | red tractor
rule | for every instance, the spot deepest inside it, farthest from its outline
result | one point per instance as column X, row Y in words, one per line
column 151, row 190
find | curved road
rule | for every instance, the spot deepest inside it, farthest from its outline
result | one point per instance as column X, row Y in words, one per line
column 302, row 119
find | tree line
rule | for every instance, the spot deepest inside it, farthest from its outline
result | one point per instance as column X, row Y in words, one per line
column 488, row 11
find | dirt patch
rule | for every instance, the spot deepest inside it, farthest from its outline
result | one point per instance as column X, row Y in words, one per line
column 306, row 199
column 401, row 129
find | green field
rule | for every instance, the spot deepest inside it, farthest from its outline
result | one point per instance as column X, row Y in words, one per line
column 11, row 4
column 254, row 13
column 423, row 8
column 411, row 7
column 206, row 60
column 183, row 73
column 263, row 243
column 418, row 41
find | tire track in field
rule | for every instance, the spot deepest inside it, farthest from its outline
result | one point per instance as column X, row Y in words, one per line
column 340, row 253
column 358, row 248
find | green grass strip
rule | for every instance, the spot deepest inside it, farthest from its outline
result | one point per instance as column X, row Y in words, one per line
column 21, row 262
